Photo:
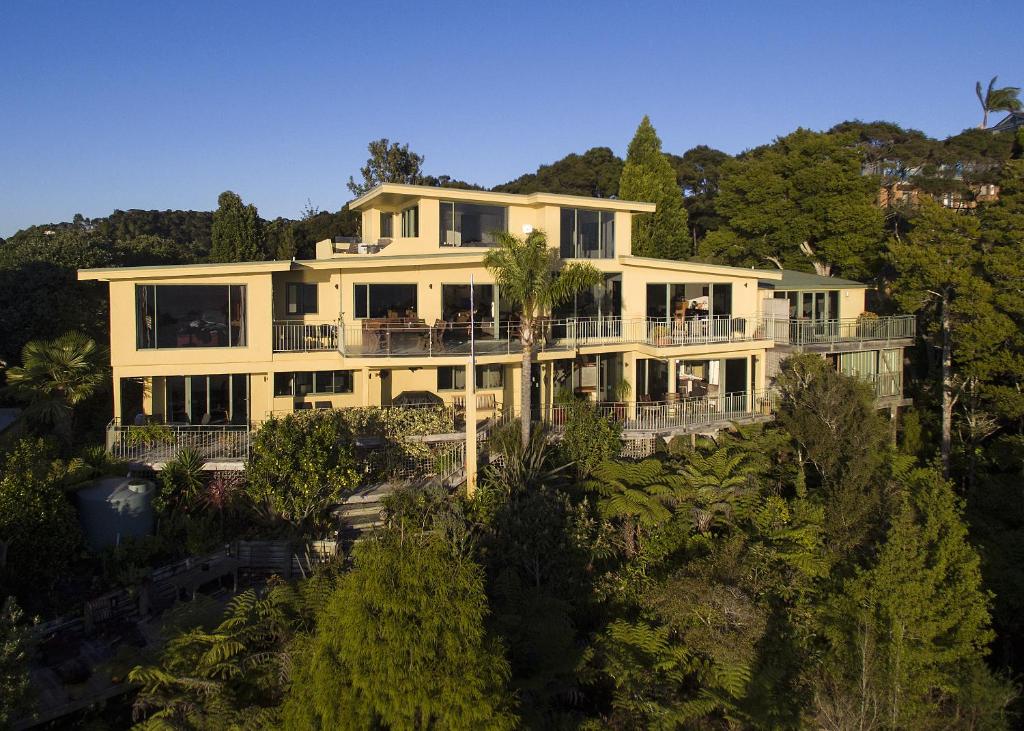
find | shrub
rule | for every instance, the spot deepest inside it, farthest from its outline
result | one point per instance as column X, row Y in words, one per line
column 300, row 465
column 38, row 525
column 589, row 437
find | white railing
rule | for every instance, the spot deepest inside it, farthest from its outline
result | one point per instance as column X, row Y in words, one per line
column 291, row 336
column 665, row 416
column 450, row 338
column 786, row 331
column 153, row 444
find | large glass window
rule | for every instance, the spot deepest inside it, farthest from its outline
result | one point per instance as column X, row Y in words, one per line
column 303, row 383
column 587, row 234
column 190, row 316
column 688, row 301
column 453, row 378
column 385, row 300
column 386, row 223
column 300, row 298
column 411, row 222
column 471, row 224
column 815, row 306
column 207, row 400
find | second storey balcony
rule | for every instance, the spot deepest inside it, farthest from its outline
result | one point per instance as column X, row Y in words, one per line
column 823, row 334
column 413, row 337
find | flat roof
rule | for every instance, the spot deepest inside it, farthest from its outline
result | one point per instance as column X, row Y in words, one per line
column 699, row 266
column 395, row 194
column 107, row 274
column 794, row 280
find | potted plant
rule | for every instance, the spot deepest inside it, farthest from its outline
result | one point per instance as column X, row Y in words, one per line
column 622, row 391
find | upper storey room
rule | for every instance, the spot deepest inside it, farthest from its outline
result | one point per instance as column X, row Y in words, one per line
column 416, row 219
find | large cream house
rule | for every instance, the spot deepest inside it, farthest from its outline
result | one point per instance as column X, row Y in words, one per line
column 391, row 318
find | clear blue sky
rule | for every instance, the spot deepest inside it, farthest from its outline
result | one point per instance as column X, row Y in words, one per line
column 148, row 104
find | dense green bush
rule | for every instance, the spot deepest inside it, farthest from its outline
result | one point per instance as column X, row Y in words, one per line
column 300, row 465
column 589, row 437
column 38, row 524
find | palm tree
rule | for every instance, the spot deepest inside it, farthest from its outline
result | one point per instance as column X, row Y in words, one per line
column 531, row 275
column 57, row 375
column 997, row 100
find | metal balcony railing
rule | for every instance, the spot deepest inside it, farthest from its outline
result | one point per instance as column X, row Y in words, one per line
column 400, row 338
column 664, row 416
column 292, row 336
column 157, row 443
column 828, row 332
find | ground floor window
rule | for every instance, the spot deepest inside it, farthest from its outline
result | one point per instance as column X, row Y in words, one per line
column 304, row 383
column 207, row 400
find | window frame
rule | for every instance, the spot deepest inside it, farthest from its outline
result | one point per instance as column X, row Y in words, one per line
column 148, row 307
column 410, row 221
column 442, row 240
column 366, row 297
column 315, row 389
column 387, row 221
column 479, row 375
column 297, row 295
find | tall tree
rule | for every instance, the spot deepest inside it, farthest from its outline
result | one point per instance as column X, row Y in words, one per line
column 532, row 277
column 237, row 231
column 909, row 635
column 1002, row 234
column 389, row 162
column 594, row 173
column 1004, row 99
column 402, row 644
column 800, row 203
column 698, row 173
column 937, row 273
column 837, row 430
column 648, row 176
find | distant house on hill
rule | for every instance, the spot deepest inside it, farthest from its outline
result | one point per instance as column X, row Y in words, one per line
column 1010, row 123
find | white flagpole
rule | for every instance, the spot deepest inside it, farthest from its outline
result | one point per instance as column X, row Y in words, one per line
column 471, row 456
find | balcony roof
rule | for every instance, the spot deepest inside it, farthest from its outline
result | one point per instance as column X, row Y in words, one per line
column 795, row 281
column 395, row 195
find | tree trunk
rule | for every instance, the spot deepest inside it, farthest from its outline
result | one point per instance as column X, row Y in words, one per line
column 524, row 387
column 947, row 388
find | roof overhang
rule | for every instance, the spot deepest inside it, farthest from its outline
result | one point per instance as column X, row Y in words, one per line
column 113, row 274
column 395, row 195
column 698, row 267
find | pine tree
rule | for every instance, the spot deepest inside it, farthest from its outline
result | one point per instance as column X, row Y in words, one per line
column 1002, row 233
column 401, row 644
column 237, row 232
column 910, row 633
column 648, row 176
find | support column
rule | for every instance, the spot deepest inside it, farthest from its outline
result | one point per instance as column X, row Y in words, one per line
column 471, row 447
column 673, row 376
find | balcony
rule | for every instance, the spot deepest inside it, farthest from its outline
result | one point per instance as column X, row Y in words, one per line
column 413, row 338
column 680, row 416
column 155, row 444
column 833, row 332
column 292, row 336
